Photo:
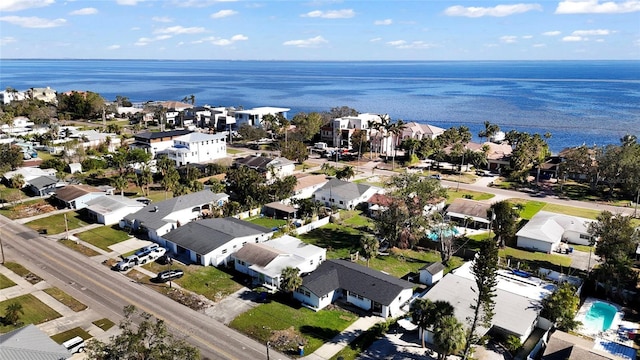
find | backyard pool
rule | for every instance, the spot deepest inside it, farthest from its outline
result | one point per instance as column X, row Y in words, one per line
column 600, row 316
column 443, row 231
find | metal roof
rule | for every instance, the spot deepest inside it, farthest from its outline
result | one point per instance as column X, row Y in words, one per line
column 30, row 343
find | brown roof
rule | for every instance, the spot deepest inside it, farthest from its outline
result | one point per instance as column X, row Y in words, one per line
column 498, row 151
column 380, row 199
column 563, row 346
column 72, row 192
column 281, row 207
column 469, row 208
column 310, row 180
column 257, row 254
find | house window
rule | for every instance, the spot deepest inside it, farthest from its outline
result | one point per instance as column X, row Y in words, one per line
column 586, row 237
column 359, row 297
column 224, row 251
column 311, row 262
column 341, row 202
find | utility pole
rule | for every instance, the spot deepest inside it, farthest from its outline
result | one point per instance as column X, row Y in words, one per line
column 460, row 173
column 268, row 345
column 66, row 225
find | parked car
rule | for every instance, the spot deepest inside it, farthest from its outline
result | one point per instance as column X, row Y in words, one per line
column 127, row 263
column 436, row 176
column 483, row 172
column 158, row 252
column 74, row 345
column 147, row 248
column 169, row 275
column 164, row 259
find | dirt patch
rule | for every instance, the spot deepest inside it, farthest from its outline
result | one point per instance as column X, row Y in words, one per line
column 24, row 211
column 286, row 339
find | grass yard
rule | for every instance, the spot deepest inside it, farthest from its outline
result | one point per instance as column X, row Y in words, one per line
column 23, row 272
column 403, row 262
column 5, row 282
column 529, row 208
column 267, row 222
column 340, row 241
column 55, row 224
column 65, row 298
column 452, row 194
column 572, row 210
column 35, row 312
column 70, row 334
column 270, row 321
column 355, row 219
column 104, row 324
column 104, row 236
column 234, row 151
column 78, row 247
column 534, row 259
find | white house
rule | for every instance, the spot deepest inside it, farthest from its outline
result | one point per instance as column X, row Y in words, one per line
column 157, row 219
column 344, row 194
column 109, row 209
column 155, row 142
column 307, row 185
column 77, row 196
column 29, row 173
column 431, row 273
column 196, row 148
column 270, row 167
column 338, row 132
column 546, row 231
column 212, row 241
column 7, row 97
column 253, row 117
column 265, row 261
column 417, row 131
column 47, row 94
column 358, row 285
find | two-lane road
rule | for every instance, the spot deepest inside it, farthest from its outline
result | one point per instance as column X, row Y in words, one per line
column 107, row 292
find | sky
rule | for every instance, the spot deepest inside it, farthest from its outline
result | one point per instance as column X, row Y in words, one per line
column 321, row 29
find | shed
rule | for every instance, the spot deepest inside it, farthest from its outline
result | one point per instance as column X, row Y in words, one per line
column 431, row 273
column 75, row 168
column 279, row 210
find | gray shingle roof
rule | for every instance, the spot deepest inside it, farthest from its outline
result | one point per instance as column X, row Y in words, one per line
column 345, row 189
column 433, row 268
column 153, row 219
column 262, row 163
column 342, row 274
column 42, row 182
column 161, row 134
column 110, row 203
column 30, row 343
column 72, row 192
column 206, row 235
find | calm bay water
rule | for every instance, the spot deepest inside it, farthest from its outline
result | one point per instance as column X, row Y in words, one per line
column 578, row 102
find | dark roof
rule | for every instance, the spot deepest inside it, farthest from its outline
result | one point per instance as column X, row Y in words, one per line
column 263, row 163
column 257, row 254
column 342, row 274
column 345, row 189
column 153, row 214
column 563, row 346
column 31, row 343
column 433, row 268
column 469, row 208
column 42, row 182
column 161, row 134
column 72, row 192
column 204, row 236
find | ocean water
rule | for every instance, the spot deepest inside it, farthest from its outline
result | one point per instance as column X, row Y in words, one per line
column 578, row 102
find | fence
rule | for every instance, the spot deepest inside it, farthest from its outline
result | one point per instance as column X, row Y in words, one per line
column 312, row 225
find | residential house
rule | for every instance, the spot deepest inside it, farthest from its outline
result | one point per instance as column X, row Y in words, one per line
column 212, row 241
column 271, row 168
column 469, row 212
column 7, row 96
column 110, row 209
column 338, row 132
column 176, row 105
column 377, row 204
column 197, row 148
column 222, row 118
column 431, row 273
column 29, row 173
column 31, row 343
column 44, row 185
column 565, row 346
column 47, row 94
column 498, row 156
column 363, row 287
column 547, row 231
column 253, row 117
column 417, row 131
column 307, row 185
column 279, row 210
column 517, row 301
column 77, row 196
column 154, row 142
column 21, row 125
column 344, row 194
column 265, row 261
column 157, row 219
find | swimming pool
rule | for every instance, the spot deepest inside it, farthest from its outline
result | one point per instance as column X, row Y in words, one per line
column 600, row 316
column 442, row 231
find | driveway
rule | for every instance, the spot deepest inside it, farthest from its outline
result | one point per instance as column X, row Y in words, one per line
column 583, row 260
column 233, row 305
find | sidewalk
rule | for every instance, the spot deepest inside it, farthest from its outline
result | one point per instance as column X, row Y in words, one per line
column 343, row 339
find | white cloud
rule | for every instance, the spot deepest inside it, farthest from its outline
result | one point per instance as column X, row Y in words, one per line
column 552, row 33
column 592, row 32
column 497, row 11
column 162, row 19
column 415, row 45
column 332, row 14
column 17, row 5
column 573, row 38
column 128, row 2
column 214, row 40
column 7, row 40
column 239, row 37
column 113, row 47
column 223, row 14
column 143, row 41
column 508, row 39
column 527, row 37
column 84, row 11
column 135, row 28
column 540, row 45
column 383, row 22
column 375, row 39
column 396, row 42
column 198, row 3
column 33, row 22
column 178, row 30
column 595, row 7
column 306, row 43
column 162, row 37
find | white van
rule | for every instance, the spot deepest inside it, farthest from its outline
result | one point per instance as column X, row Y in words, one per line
column 75, row 345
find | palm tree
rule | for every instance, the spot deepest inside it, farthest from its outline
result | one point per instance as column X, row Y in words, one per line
column 393, row 131
column 420, row 309
column 489, row 130
column 370, row 246
column 448, row 336
column 290, row 279
column 120, row 183
column 346, row 172
column 12, row 313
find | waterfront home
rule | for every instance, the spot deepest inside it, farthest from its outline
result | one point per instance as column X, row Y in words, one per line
column 338, row 131
column 155, row 142
column 197, row 147
column 7, row 96
column 547, row 231
column 417, row 131
column 47, row 94
column 253, row 117
column 344, row 194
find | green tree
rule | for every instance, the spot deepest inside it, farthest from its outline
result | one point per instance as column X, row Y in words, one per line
column 290, row 279
column 120, row 182
column 370, row 246
column 150, row 339
column 170, row 181
column 489, row 130
column 426, row 313
column 529, row 151
column 308, row 125
column 359, row 142
column 12, row 313
column 561, row 307
column 295, row 151
column 11, row 157
column 485, row 267
column 345, row 172
column 17, row 181
column 448, row 336
column 504, row 216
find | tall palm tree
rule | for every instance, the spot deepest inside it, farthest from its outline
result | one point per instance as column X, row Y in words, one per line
column 420, row 310
column 448, row 336
column 120, row 183
column 290, row 279
column 13, row 312
column 370, row 246
column 393, row 131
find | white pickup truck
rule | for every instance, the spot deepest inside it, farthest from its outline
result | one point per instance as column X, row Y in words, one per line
column 127, row 263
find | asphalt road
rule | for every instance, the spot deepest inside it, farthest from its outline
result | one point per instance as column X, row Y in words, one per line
column 107, row 292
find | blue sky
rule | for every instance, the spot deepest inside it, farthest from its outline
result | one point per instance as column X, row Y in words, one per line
column 321, row 30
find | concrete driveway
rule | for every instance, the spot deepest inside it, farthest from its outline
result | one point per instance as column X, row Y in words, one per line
column 233, row 305
column 583, row 260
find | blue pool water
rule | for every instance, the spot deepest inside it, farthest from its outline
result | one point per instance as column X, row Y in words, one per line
column 435, row 234
column 600, row 316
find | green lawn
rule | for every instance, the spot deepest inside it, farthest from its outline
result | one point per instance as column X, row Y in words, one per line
column 104, row 236
column 22, row 272
column 355, row 218
column 85, row 250
column 452, row 194
column 70, row 334
column 55, row 224
column 340, row 241
column 534, row 259
column 572, row 210
column 104, row 324
column 403, row 262
column 267, row 222
column 267, row 321
column 529, row 208
column 65, row 298
column 234, row 151
column 35, row 312
column 5, row 282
